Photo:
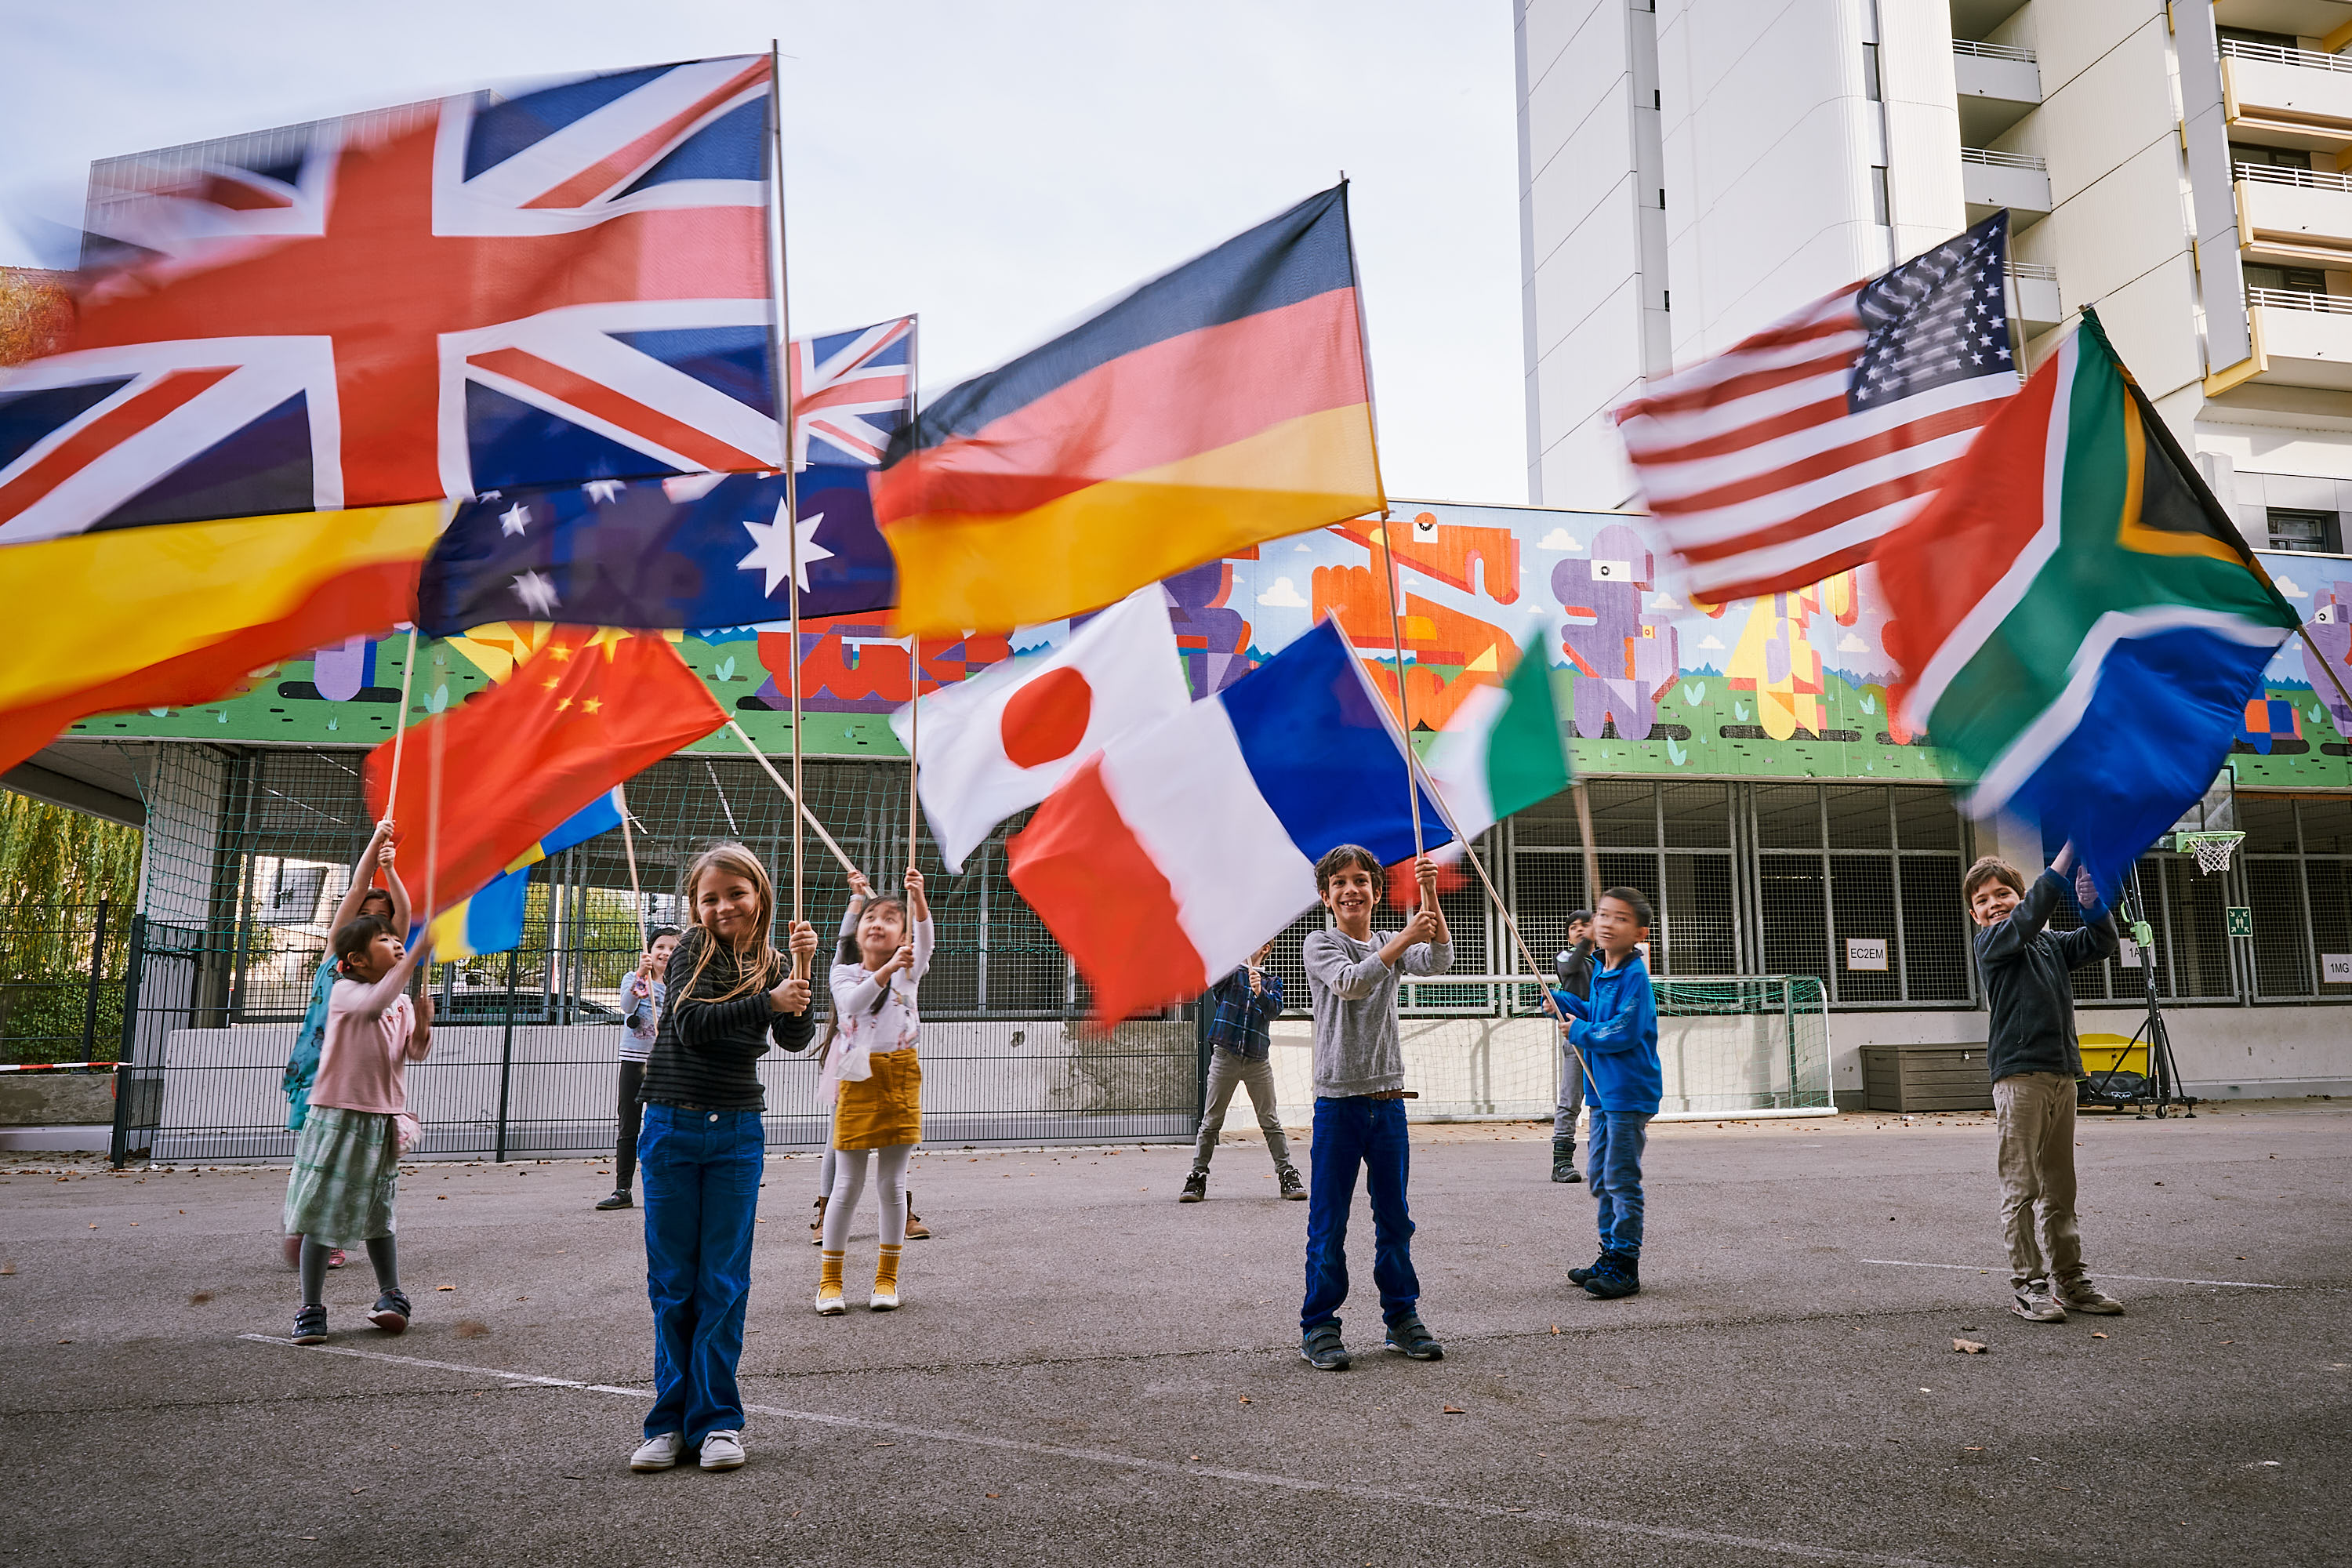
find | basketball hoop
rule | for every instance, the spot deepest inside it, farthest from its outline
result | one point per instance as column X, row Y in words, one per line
column 2212, row 849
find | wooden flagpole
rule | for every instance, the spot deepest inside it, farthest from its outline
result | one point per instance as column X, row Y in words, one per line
column 802, row 811
column 1404, row 700
column 914, row 654
column 629, row 848
column 399, row 724
column 779, row 336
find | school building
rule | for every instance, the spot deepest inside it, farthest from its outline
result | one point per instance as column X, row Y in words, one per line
column 1745, row 770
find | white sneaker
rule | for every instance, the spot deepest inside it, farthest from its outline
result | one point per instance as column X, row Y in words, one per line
column 831, row 1304
column 722, row 1451
column 658, row 1453
column 883, row 1301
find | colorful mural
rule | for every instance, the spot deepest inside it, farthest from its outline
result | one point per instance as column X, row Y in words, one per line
column 1792, row 686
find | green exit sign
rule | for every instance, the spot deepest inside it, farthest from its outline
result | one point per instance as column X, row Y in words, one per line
column 2241, row 920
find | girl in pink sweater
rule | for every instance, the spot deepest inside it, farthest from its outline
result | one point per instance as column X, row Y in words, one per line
column 348, row 1158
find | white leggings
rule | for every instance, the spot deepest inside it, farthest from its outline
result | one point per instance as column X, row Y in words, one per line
column 849, row 1185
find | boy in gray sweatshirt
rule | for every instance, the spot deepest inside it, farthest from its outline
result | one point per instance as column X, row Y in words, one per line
column 1353, row 976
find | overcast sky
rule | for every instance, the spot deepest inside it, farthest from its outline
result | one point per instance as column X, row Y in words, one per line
column 997, row 165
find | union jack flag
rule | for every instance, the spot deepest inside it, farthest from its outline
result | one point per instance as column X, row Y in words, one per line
column 480, row 292
column 850, row 392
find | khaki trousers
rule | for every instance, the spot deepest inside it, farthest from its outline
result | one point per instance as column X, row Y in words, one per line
column 1229, row 1070
column 2036, row 1114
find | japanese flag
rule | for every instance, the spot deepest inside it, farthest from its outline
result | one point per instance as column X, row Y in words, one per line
column 995, row 745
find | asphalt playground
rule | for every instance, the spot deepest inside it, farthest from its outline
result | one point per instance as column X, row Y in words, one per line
column 1088, row 1373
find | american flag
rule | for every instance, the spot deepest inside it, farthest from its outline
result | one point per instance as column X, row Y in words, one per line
column 485, row 292
column 1785, row 459
column 850, row 392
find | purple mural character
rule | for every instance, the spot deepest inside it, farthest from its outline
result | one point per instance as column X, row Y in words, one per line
column 1212, row 637
column 2331, row 629
column 1624, row 655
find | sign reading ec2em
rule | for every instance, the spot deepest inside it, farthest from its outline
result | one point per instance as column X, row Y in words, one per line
column 1866, row 952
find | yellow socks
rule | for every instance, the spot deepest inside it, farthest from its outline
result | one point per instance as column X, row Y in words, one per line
column 829, row 1298
column 886, row 1272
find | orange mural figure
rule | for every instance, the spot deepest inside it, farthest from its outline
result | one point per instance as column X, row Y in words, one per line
column 1775, row 659
column 1483, row 561
column 1441, row 640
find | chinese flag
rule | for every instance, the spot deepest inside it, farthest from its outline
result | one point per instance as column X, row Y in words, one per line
column 482, row 784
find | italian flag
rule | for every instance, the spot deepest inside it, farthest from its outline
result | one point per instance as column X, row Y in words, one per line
column 2079, row 623
column 1506, row 749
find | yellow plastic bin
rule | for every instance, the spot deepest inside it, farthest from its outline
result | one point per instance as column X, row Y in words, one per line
column 2112, row 1053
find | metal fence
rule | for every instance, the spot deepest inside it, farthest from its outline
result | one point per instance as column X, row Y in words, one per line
column 61, row 970
column 524, row 1060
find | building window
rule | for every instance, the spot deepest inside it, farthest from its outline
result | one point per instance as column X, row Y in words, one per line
column 2319, row 533
column 1858, row 885
column 2298, row 279
column 1879, row 206
column 2249, row 36
column 2272, row 157
column 1870, row 88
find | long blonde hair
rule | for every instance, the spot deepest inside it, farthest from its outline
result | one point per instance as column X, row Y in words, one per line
column 759, row 974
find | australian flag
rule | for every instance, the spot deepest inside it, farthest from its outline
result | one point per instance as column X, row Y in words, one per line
column 696, row 551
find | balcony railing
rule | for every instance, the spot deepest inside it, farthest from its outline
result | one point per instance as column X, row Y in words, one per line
column 1991, row 159
column 2301, row 300
column 2273, row 174
column 2040, row 269
column 2277, row 54
column 1992, row 51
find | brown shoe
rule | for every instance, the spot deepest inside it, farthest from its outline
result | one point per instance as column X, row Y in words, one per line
column 916, row 1229
column 816, row 1225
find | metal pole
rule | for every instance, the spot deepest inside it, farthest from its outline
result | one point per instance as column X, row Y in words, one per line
column 781, row 338
column 506, row 1058
column 96, row 972
column 124, row 1087
column 1591, row 857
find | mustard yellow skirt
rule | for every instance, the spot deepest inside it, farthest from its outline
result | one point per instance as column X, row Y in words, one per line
column 884, row 1109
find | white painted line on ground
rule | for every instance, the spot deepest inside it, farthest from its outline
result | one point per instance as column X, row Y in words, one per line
column 1503, row 1512
column 2142, row 1279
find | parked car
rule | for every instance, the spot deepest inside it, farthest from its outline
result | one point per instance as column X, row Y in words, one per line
column 491, row 1005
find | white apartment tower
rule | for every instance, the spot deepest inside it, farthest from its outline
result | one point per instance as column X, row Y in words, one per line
column 1692, row 169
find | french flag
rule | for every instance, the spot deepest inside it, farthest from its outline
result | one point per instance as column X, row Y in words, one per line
column 1167, row 857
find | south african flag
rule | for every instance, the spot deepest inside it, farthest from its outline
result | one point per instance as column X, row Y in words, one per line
column 2079, row 623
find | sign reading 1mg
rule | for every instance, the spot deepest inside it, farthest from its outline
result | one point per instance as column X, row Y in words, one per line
column 2336, row 969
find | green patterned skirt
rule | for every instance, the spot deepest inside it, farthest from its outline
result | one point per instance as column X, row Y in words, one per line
column 345, row 1165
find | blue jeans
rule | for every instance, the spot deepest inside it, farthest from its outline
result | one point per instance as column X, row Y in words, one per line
column 1613, row 1172
column 1358, row 1131
column 702, row 1175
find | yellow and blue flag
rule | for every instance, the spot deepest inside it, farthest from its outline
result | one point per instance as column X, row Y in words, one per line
column 491, row 920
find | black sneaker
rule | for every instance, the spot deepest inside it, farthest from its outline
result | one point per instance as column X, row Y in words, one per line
column 1618, row 1274
column 1292, row 1187
column 1578, row 1276
column 1408, row 1338
column 616, row 1201
column 1196, row 1187
column 390, row 1313
column 1321, row 1347
column 1564, row 1161
column 311, row 1326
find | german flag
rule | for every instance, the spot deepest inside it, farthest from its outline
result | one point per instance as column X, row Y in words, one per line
column 176, row 614
column 1218, row 406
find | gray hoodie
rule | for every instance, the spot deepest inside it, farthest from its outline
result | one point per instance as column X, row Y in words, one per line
column 1357, row 1051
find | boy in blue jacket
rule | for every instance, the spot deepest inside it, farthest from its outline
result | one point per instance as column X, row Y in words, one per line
column 1616, row 1028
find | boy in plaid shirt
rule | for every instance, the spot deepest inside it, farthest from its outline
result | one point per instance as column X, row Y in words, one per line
column 1244, row 1003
